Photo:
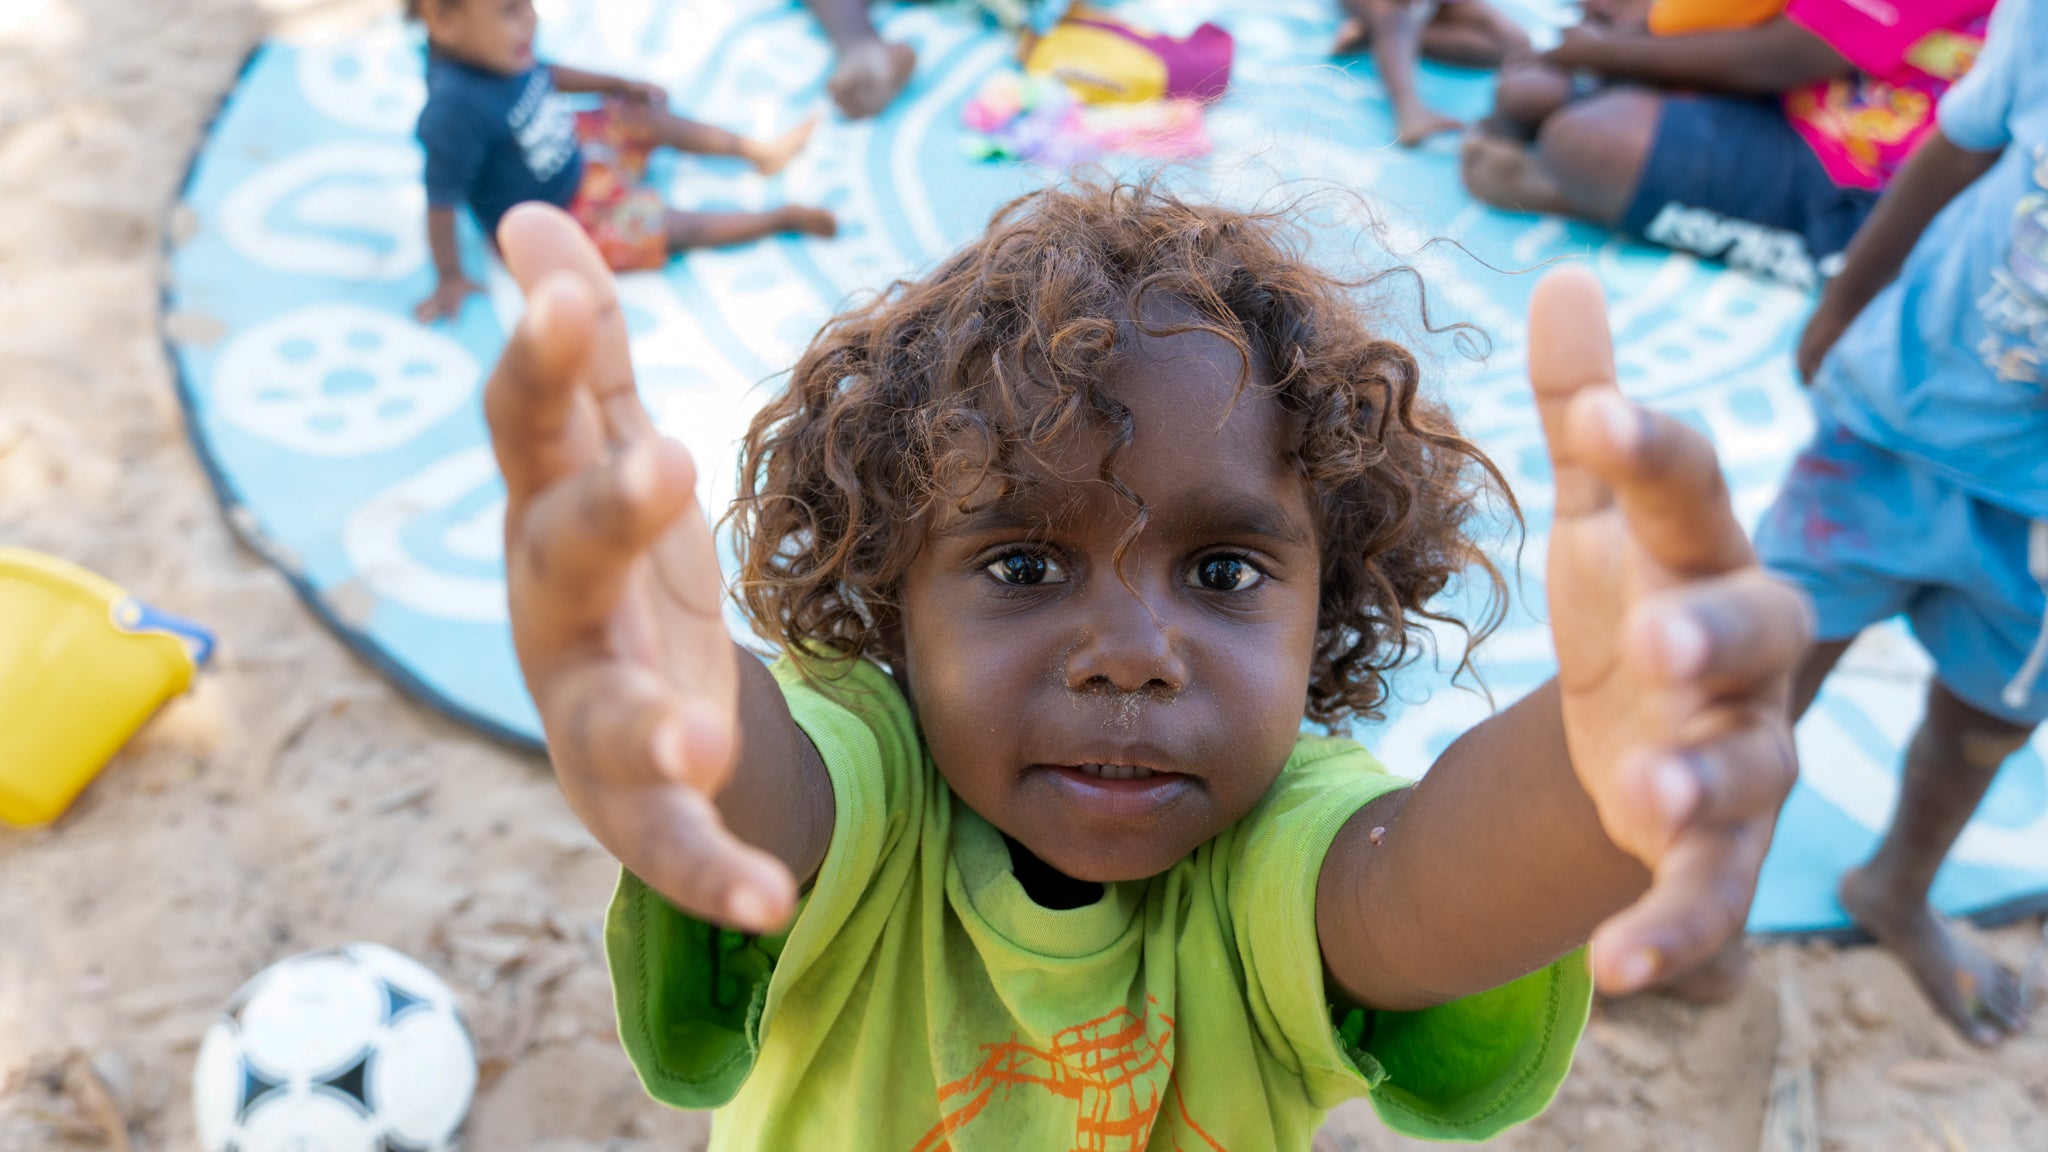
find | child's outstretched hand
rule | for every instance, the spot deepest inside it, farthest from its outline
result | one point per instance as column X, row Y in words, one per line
column 615, row 589
column 1674, row 649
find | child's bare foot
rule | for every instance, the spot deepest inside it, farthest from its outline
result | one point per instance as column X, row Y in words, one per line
column 806, row 221
column 1984, row 999
column 1505, row 174
column 771, row 156
column 1354, row 38
column 1719, row 978
column 869, row 76
column 1412, row 128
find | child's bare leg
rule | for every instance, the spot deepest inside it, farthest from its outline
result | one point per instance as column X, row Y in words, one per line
column 1396, row 43
column 1949, row 766
column 1724, row 974
column 1586, row 162
column 767, row 156
column 1525, row 95
column 871, row 71
column 1473, row 34
column 716, row 229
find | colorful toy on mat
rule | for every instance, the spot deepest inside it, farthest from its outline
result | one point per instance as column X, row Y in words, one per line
column 356, row 1049
column 82, row 665
column 1106, row 61
column 1036, row 118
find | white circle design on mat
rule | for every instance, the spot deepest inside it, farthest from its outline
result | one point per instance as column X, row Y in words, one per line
column 338, row 380
column 373, row 81
column 293, row 216
column 375, row 539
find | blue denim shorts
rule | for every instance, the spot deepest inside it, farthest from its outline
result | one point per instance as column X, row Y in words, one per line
column 1871, row 535
column 1729, row 179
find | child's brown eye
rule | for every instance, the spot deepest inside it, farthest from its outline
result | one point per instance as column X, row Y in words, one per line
column 1224, row 574
column 1023, row 569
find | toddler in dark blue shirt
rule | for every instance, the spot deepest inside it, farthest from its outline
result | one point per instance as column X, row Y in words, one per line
column 496, row 134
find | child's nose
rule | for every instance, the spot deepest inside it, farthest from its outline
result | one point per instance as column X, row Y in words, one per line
column 1127, row 647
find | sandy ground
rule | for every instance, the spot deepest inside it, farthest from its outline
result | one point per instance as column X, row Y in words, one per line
column 294, row 800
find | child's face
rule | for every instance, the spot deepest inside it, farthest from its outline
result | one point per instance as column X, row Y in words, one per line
column 1047, row 678
column 494, row 35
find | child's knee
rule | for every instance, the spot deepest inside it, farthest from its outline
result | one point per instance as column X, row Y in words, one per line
column 1978, row 738
column 1601, row 139
column 1528, row 93
column 1988, row 745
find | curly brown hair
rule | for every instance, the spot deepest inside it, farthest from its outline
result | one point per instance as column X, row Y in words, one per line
column 971, row 371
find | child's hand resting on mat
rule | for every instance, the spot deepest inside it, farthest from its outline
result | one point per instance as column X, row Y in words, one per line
column 1674, row 649
column 447, row 300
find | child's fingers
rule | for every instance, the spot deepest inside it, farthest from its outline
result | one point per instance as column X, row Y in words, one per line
column 581, row 536
column 1698, row 899
column 1737, row 763
column 1725, row 636
column 1570, row 353
column 539, row 428
column 633, row 760
column 1667, row 480
column 1744, row 772
column 540, row 240
column 701, row 867
column 613, row 720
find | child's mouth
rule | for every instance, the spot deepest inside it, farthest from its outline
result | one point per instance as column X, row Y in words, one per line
column 1118, row 789
column 1115, row 771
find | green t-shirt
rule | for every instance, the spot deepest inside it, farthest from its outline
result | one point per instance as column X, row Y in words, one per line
column 921, row 1000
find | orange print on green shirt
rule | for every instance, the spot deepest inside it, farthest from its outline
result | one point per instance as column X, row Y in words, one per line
column 1115, row 1069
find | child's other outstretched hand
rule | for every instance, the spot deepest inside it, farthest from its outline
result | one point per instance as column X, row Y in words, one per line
column 1674, row 649
column 615, row 589
column 642, row 92
column 447, row 300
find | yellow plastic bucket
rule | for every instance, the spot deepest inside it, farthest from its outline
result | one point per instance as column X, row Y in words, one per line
column 82, row 665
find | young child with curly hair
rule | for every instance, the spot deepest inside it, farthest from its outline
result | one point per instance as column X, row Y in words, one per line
column 1061, row 542
column 496, row 134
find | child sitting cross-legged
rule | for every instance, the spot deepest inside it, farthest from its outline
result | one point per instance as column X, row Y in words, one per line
column 1764, row 145
column 497, row 134
column 1062, row 541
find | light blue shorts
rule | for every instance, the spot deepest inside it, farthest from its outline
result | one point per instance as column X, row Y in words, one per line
column 1871, row 535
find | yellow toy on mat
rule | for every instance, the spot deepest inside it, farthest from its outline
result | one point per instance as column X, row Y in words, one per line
column 82, row 665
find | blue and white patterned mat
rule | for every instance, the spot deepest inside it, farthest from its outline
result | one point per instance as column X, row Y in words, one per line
column 348, row 444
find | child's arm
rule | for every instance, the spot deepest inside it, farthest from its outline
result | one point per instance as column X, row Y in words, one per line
column 1764, row 60
column 569, row 79
column 1633, row 15
column 673, row 746
column 1657, row 759
column 451, row 287
column 1935, row 174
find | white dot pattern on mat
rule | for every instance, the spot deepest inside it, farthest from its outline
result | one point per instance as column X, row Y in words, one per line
column 336, row 380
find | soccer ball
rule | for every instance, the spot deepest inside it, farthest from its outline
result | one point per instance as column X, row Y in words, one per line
column 355, row 1049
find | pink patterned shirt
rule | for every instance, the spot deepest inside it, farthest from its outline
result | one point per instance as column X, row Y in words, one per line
column 1907, row 53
